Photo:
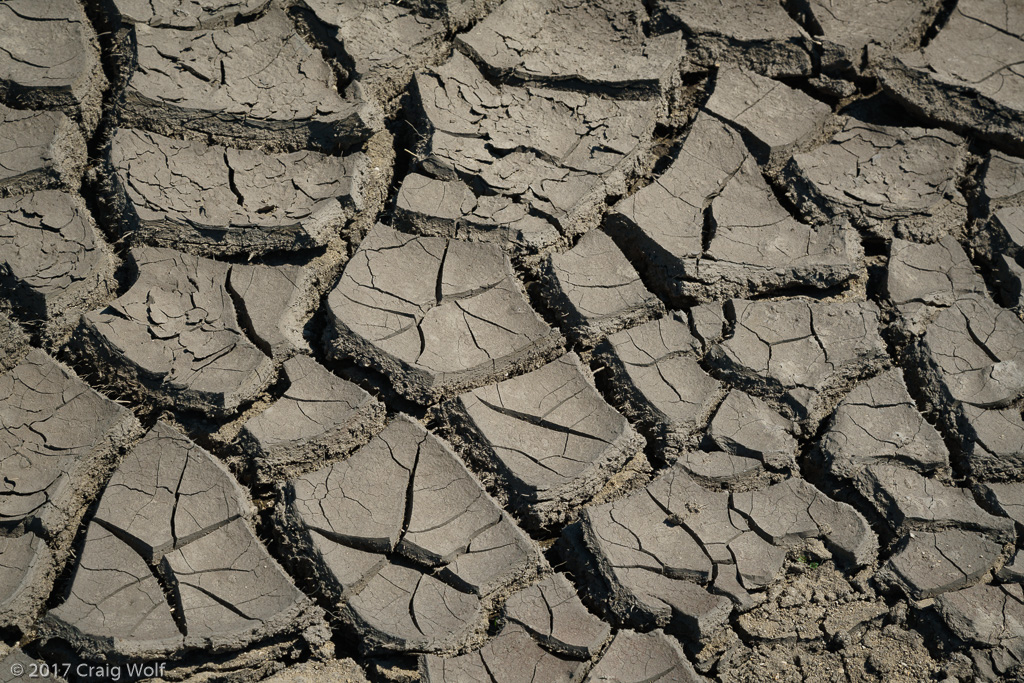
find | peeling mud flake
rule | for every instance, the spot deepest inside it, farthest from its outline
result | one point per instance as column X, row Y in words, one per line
column 549, row 436
column 925, row 277
column 657, row 379
column 559, row 153
column 640, row 657
column 929, row 563
column 50, row 59
column 553, row 614
column 39, row 150
column 710, row 227
column 26, row 579
column 907, row 499
column 990, row 617
column 793, row 509
column 889, row 181
column 778, row 117
column 592, row 47
column 382, row 43
column 748, row 427
column 174, row 336
column 53, row 261
column 755, row 34
column 185, row 14
column 213, row 200
column 448, row 208
column 878, row 422
column 171, row 566
column 596, row 290
column 413, row 577
column 457, row 15
column 852, row 31
column 969, row 77
column 56, row 437
column 512, row 650
column 1001, row 179
column 255, row 85
column 438, row 316
column 320, row 416
column 800, row 352
column 971, row 354
column 275, row 303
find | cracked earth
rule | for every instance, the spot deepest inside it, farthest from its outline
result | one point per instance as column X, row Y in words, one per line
column 536, row 340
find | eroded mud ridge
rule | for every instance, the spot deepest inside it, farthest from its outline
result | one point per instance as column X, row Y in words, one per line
column 535, row 340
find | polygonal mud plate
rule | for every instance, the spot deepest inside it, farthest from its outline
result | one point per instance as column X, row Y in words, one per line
column 39, row 150
column 53, row 261
column 549, row 437
column 438, row 316
column 50, row 59
column 801, row 352
column 412, row 577
column 599, row 46
column 756, row 34
column 710, row 227
column 380, row 43
column 171, row 567
column 319, row 416
column 213, row 200
column 654, row 557
column 449, row 208
column 777, row 118
column 559, row 153
column 657, row 380
column 174, row 335
column 58, row 439
column 595, row 290
column 852, row 31
column 184, row 14
column 891, row 181
column 254, row 85
column 968, row 77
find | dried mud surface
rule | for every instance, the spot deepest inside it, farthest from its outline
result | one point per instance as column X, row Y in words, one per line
column 535, row 340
